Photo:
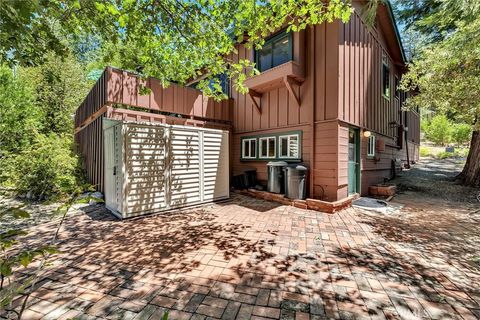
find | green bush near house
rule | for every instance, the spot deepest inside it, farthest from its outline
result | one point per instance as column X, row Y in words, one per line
column 37, row 156
column 47, row 169
column 461, row 133
column 425, row 152
column 462, row 153
column 439, row 130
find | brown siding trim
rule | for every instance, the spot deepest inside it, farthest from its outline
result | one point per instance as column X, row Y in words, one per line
column 92, row 118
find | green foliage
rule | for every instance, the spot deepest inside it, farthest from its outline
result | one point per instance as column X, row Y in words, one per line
column 424, row 124
column 47, row 168
column 456, row 154
column 425, row 152
column 36, row 142
column 439, row 130
column 19, row 119
column 435, row 19
column 60, row 86
column 169, row 39
column 446, row 76
column 442, row 154
column 462, row 133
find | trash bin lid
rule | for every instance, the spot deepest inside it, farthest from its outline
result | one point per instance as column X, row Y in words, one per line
column 277, row 164
column 298, row 167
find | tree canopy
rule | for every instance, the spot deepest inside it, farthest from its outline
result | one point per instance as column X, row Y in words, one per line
column 169, row 39
column 445, row 74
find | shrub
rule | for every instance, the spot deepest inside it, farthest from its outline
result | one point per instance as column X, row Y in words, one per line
column 48, row 169
column 461, row 133
column 439, row 130
column 425, row 152
column 462, row 153
column 19, row 118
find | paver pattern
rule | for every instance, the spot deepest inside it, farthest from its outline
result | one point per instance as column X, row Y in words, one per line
column 251, row 259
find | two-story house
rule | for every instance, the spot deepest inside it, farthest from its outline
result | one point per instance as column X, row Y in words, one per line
column 326, row 96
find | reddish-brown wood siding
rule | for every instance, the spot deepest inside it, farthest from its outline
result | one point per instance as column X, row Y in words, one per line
column 90, row 145
column 96, row 99
column 360, row 81
column 120, row 87
column 124, row 88
column 279, row 112
column 339, row 68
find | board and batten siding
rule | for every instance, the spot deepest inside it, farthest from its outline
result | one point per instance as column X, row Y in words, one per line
column 361, row 104
column 342, row 89
column 280, row 113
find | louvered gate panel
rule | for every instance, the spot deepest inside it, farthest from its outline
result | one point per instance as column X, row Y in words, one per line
column 215, row 165
column 145, row 166
column 184, row 156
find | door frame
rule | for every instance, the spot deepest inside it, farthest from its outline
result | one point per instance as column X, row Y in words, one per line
column 356, row 133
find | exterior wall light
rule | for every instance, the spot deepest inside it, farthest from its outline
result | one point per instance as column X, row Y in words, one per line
column 367, row 134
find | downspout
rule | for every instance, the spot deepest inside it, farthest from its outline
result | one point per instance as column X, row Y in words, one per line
column 312, row 122
column 406, row 146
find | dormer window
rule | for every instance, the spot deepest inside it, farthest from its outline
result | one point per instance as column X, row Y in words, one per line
column 276, row 51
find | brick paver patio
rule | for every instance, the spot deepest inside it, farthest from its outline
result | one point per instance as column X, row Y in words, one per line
column 250, row 259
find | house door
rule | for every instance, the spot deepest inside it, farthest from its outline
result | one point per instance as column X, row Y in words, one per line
column 353, row 161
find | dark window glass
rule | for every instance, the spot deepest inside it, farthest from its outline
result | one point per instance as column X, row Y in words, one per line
column 386, row 81
column 276, row 51
column 397, row 91
column 253, row 148
column 263, row 153
column 265, row 57
column 284, row 147
column 281, row 51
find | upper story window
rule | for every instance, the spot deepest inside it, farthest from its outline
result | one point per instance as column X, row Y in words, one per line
column 385, row 77
column 385, row 81
column 276, row 51
column 221, row 79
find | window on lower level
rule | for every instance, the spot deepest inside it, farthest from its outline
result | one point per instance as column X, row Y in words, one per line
column 371, row 146
column 290, row 146
column 279, row 146
column 249, row 148
column 268, row 147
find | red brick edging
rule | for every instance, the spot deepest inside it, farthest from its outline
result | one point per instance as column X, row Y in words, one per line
column 311, row 204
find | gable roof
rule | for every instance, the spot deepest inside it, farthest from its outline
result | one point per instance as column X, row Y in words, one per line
column 388, row 24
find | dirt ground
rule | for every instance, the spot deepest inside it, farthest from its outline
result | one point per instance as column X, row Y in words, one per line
column 439, row 215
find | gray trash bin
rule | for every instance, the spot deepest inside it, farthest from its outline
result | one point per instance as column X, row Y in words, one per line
column 296, row 181
column 276, row 180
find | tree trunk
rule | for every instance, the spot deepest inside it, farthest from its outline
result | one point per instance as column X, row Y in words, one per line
column 471, row 172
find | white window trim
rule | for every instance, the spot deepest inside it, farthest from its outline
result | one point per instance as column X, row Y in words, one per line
column 288, row 136
column 249, row 140
column 267, row 139
column 371, row 144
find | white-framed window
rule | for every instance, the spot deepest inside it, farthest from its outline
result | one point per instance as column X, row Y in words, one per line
column 289, row 146
column 371, row 146
column 268, row 147
column 249, row 148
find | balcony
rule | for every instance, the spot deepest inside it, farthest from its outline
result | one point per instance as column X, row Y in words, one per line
column 289, row 75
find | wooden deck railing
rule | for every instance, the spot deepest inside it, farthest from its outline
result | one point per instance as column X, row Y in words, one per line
column 123, row 88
